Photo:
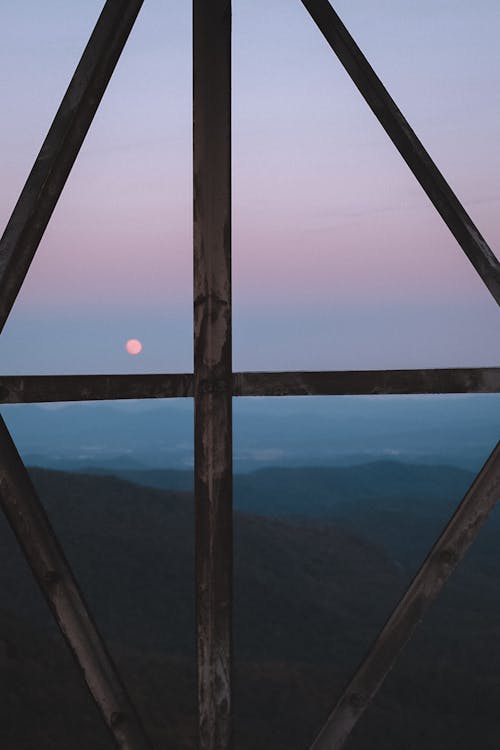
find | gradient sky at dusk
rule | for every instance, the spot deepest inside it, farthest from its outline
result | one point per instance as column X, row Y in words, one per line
column 339, row 259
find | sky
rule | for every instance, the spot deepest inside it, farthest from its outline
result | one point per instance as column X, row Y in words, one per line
column 339, row 259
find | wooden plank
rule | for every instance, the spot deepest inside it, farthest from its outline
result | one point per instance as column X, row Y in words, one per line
column 43, row 552
column 44, row 185
column 407, row 143
column 19, row 389
column 212, row 366
column 442, row 560
column 367, row 382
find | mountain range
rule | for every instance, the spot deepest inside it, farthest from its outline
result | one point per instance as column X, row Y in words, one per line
column 289, row 432
column 311, row 591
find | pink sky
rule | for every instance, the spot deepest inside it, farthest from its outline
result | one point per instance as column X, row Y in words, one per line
column 327, row 220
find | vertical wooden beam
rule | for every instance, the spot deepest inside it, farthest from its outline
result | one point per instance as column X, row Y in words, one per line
column 213, row 366
column 30, row 524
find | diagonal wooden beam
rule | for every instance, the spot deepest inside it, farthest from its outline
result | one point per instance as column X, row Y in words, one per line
column 29, row 389
column 42, row 550
column 407, row 143
column 212, row 367
column 447, row 552
column 61, row 146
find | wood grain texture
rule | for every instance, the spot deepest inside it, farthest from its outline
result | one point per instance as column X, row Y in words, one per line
column 213, row 367
column 24, row 389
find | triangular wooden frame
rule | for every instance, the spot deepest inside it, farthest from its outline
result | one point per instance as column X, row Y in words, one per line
column 213, row 384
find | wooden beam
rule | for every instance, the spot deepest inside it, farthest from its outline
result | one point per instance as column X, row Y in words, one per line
column 367, row 382
column 53, row 574
column 46, row 181
column 409, row 146
column 442, row 560
column 25, row 389
column 212, row 367
column 19, row 389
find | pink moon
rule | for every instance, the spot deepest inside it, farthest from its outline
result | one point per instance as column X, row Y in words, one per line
column 133, row 346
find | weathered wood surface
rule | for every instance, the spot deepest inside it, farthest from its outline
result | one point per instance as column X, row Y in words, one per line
column 212, row 367
column 45, row 388
column 367, row 382
column 53, row 574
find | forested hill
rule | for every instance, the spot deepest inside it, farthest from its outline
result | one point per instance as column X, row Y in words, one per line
column 398, row 505
column 309, row 598
column 133, row 547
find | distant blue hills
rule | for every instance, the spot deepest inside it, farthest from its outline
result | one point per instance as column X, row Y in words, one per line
column 458, row 431
column 337, row 502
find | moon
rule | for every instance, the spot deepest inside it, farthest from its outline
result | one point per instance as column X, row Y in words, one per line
column 133, row 346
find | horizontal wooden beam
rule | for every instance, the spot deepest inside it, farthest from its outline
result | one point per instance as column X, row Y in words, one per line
column 30, row 524
column 367, row 382
column 442, row 560
column 49, row 388
column 46, row 180
column 25, row 389
column 409, row 146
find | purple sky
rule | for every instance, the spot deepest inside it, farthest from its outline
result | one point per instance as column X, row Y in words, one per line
column 339, row 260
